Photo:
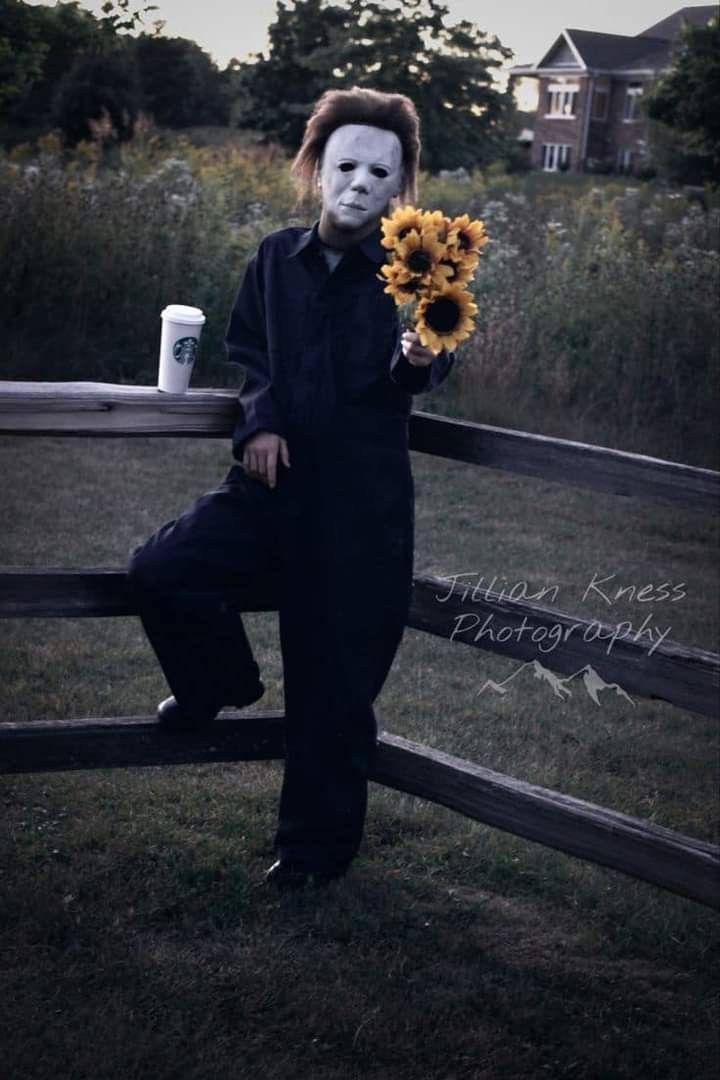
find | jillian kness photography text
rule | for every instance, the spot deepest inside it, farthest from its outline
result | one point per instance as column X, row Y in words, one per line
column 470, row 587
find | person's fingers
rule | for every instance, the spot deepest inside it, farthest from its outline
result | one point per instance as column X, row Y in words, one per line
column 271, row 468
column 407, row 341
column 253, row 467
column 260, row 459
column 420, row 355
column 284, row 453
column 258, row 466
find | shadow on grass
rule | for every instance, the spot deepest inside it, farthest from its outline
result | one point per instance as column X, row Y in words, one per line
column 140, row 940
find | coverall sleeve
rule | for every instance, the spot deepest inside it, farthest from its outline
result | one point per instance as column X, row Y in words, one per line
column 418, row 380
column 246, row 344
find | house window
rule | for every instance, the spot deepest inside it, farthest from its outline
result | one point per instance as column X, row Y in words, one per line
column 555, row 156
column 561, row 100
column 600, row 105
column 624, row 161
column 632, row 101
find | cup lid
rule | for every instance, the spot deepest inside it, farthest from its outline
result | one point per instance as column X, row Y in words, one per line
column 182, row 313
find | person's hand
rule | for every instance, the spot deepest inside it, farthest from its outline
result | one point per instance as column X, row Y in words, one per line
column 260, row 456
column 416, row 353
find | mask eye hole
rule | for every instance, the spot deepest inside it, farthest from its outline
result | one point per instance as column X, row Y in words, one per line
column 379, row 171
column 346, row 166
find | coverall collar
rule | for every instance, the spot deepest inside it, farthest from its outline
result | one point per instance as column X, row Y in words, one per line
column 370, row 246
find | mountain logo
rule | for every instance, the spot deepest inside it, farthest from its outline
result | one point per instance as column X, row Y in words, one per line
column 591, row 680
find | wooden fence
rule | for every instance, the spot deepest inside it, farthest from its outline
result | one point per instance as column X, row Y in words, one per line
column 686, row 677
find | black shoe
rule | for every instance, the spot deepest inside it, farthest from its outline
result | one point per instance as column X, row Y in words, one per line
column 175, row 720
column 285, row 874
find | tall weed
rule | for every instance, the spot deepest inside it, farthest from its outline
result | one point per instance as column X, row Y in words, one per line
column 92, row 255
column 598, row 317
column 598, row 314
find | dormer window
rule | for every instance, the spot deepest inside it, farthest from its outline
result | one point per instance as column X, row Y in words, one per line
column 561, row 101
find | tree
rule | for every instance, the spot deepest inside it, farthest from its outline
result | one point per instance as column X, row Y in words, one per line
column 98, row 98
column 687, row 99
column 405, row 47
column 118, row 15
column 22, row 51
column 40, row 45
column 180, row 83
column 277, row 93
column 43, row 42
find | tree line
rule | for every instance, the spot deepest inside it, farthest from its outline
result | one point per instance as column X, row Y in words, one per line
column 92, row 77
column 62, row 67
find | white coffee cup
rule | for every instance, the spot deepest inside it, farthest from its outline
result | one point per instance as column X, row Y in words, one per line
column 179, row 340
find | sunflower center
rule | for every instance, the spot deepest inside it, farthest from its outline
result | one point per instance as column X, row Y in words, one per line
column 410, row 287
column 442, row 315
column 419, row 261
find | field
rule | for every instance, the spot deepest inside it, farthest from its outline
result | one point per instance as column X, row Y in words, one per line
column 598, row 316
column 137, row 935
column 138, row 938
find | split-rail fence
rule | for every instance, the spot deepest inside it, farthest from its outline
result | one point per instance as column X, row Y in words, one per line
column 686, row 677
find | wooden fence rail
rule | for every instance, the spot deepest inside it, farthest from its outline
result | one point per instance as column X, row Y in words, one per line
column 678, row 674
column 104, row 409
column 683, row 676
column 678, row 863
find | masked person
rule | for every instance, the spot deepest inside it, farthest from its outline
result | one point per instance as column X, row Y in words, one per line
column 316, row 520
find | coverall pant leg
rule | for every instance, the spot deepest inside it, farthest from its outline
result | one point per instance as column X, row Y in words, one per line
column 240, row 548
column 194, row 577
column 343, row 615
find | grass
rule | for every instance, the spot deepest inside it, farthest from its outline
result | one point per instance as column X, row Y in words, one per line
column 137, row 939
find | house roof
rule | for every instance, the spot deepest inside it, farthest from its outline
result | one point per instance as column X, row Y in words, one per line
column 607, row 51
column 670, row 27
column 651, row 49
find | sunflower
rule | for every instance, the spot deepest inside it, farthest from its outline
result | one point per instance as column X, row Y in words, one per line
column 453, row 271
column 468, row 259
column 419, row 254
column 397, row 227
column 432, row 258
column 467, row 235
column 444, row 318
column 436, row 223
column 401, row 285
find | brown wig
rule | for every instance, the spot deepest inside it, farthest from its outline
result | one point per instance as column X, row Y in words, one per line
column 393, row 112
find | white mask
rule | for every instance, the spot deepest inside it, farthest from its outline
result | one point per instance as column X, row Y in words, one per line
column 361, row 171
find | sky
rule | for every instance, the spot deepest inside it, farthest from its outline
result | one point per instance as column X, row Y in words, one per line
column 230, row 28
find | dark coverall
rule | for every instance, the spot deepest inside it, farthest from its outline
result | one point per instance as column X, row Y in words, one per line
column 330, row 547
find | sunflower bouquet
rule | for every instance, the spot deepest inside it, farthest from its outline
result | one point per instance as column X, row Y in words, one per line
column 432, row 260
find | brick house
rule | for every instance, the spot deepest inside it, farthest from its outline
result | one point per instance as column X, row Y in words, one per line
column 590, row 88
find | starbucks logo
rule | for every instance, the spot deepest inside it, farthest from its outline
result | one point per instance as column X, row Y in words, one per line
column 185, row 350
